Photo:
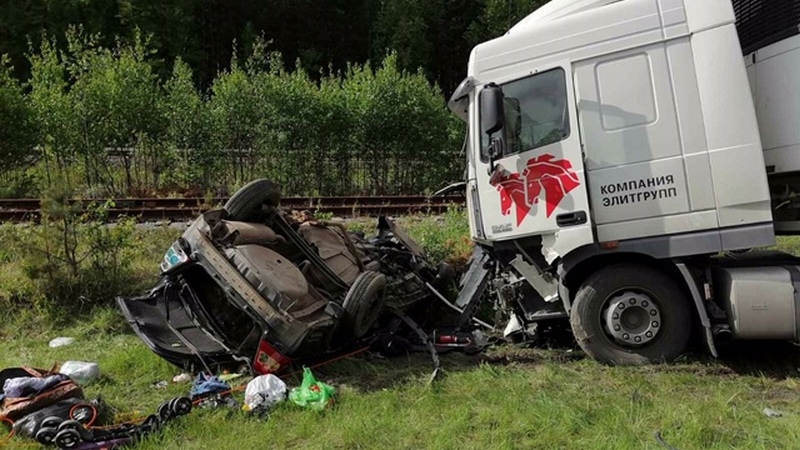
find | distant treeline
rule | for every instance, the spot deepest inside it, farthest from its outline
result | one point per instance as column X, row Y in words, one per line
column 434, row 35
column 134, row 97
column 101, row 121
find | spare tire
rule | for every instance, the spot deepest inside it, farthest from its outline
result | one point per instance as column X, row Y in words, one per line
column 363, row 303
column 246, row 203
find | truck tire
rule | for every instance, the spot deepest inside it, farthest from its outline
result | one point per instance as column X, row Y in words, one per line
column 245, row 204
column 630, row 315
column 363, row 303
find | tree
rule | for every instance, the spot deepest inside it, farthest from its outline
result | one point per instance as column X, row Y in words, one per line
column 115, row 96
column 17, row 133
column 499, row 16
column 53, row 112
column 189, row 130
column 428, row 34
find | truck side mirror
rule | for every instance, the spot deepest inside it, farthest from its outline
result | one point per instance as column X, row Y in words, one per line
column 492, row 115
column 493, row 119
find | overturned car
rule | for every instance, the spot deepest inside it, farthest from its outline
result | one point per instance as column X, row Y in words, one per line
column 251, row 284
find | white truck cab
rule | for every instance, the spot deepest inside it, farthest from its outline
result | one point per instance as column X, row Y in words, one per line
column 618, row 161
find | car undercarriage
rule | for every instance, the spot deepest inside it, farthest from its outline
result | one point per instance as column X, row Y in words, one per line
column 253, row 285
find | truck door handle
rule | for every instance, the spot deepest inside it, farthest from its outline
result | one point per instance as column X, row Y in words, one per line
column 571, row 219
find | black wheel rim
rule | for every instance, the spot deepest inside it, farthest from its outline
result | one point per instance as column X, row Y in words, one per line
column 46, row 436
column 182, row 406
column 68, row 438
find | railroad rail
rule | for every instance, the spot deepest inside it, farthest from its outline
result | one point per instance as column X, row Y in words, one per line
column 175, row 209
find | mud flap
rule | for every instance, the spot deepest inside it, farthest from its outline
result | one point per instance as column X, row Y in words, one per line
column 701, row 310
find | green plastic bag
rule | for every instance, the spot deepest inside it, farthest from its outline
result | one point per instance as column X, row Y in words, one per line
column 312, row 393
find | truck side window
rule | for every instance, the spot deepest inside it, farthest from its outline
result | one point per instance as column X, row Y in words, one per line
column 536, row 113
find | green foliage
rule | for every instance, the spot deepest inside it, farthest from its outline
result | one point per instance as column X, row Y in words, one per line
column 17, row 133
column 73, row 260
column 117, row 103
column 53, row 111
column 435, row 35
column 403, row 129
column 428, row 35
column 445, row 237
column 189, row 131
column 498, row 16
column 110, row 127
column 505, row 399
column 110, row 103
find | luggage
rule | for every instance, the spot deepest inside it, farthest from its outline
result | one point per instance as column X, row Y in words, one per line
column 33, row 389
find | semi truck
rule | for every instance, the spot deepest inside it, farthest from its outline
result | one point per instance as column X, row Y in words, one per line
column 628, row 163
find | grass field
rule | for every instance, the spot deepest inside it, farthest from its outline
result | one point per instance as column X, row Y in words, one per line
column 510, row 397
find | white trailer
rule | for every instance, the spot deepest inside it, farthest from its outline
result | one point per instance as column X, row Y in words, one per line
column 622, row 157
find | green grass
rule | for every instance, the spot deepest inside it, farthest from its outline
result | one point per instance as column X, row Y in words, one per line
column 511, row 397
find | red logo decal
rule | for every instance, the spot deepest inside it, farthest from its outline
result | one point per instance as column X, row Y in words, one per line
column 554, row 177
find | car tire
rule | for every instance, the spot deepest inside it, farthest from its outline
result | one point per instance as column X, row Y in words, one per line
column 624, row 289
column 246, row 203
column 363, row 303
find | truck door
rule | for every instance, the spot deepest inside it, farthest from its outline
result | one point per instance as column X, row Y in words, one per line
column 535, row 184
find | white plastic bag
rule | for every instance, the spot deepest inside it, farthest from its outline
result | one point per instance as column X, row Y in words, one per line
column 264, row 391
column 61, row 342
column 81, row 372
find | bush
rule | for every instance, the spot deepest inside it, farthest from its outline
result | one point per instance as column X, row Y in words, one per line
column 110, row 127
column 189, row 132
column 17, row 135
column 118, row 112
column 445, row 238
column 73, row 260
column 401, row 130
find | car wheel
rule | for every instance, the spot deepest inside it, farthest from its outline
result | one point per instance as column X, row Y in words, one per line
column 363, row 303
column 246, row 203
column 631, row 315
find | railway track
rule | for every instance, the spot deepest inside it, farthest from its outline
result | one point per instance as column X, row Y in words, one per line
column 175, row 209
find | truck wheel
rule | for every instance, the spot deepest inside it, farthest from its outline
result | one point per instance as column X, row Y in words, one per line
column 631, row 315
column 246, row 203
column 363, row 303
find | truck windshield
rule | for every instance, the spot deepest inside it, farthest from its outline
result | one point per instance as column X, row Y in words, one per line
column 536, row 113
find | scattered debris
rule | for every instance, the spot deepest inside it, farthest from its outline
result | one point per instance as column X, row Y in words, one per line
column 80, row 371
column 26, row 390
column 228, row 377
column 206, row 385
column 161, row 384
column 49, row 406
column 182, row 378
column 61, row 342
column 769, row 412
column 662, row 442
column 86, row 412
column 68, row 434
column 312, row 393
column 31, row 386
column 215, row 401
column 264, row 392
